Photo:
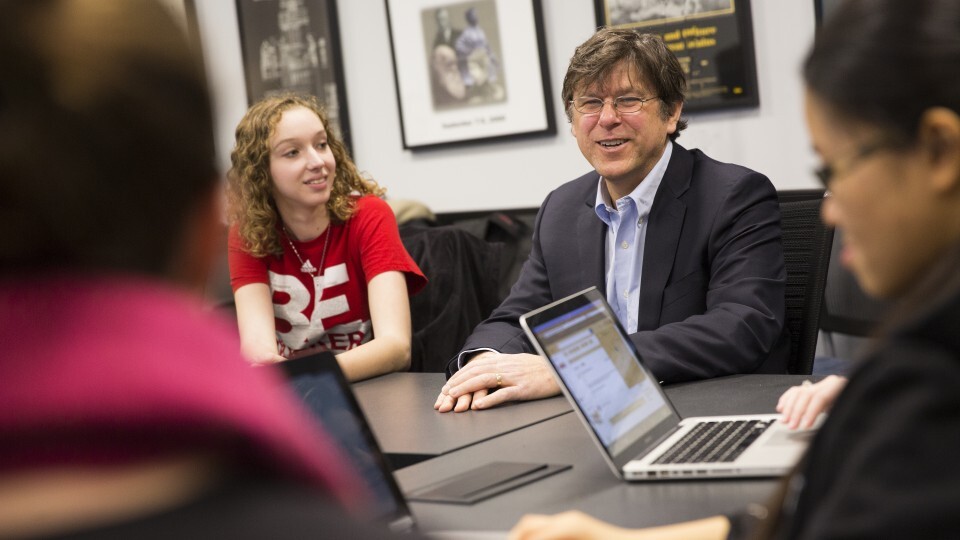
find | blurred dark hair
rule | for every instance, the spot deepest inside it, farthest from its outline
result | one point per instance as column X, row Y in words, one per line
column 106, row 136
column 658, row 67
column 885, row 62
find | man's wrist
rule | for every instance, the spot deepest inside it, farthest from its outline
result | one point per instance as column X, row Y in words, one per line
column 466, row 356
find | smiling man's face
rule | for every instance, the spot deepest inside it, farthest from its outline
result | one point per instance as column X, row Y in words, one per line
column 623, row 148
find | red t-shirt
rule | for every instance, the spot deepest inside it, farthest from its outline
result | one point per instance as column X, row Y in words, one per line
column 330, row 310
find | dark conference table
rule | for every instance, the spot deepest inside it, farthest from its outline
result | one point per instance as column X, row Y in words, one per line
column 399, row 407
column 547, row 432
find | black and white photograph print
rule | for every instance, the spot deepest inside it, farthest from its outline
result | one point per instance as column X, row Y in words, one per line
column 468, row 71
column 294, row 46
column 462, row 47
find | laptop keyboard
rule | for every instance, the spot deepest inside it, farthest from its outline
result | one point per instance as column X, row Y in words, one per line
column 714, row 442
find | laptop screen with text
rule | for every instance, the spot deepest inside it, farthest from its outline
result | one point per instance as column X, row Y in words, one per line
column 620, row 399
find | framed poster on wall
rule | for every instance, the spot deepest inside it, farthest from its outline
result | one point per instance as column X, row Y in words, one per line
column 294, row 46
column 713, row 39
column 469, row 71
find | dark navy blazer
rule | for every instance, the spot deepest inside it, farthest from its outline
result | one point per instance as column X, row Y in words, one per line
column 712, row 282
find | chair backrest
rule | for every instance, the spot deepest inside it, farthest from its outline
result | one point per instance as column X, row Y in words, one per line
column 462, row 289
column 846, row 308
column 848, row 316
column 806, row 250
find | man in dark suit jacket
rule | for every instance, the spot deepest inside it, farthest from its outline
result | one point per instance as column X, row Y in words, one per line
column 688, row 249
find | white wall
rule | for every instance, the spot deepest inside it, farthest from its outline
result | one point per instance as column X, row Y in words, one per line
column 770, row 139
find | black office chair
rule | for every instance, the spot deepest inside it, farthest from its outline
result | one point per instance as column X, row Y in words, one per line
column 848, row 316
column 462, row 290
column 806, row 250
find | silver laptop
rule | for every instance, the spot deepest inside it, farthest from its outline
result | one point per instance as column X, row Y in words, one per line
column 627, row 413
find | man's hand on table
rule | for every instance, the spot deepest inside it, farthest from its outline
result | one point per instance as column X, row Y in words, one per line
column 490, row 379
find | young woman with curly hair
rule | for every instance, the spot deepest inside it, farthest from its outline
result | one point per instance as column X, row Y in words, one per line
column 316, row 261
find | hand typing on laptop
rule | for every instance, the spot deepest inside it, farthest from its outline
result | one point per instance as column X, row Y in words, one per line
column 801, row 405
column 490, row 379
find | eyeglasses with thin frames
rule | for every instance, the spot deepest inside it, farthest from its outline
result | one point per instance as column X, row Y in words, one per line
column 826, row 172
column 622, row 104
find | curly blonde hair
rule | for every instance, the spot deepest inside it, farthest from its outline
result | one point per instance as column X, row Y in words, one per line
column 250, row 188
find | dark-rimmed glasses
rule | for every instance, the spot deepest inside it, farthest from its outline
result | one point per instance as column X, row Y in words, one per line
column 826, row 172
column 622, row 104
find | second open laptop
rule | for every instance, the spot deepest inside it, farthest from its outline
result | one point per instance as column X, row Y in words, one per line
column 321, row 385
column 629, row 416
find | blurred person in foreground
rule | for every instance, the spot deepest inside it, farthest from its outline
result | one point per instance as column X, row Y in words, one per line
column 127, row 410
column 883, row 111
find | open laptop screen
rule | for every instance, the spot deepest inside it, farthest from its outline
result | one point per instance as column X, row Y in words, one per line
column 318, row 381
column 619, row 399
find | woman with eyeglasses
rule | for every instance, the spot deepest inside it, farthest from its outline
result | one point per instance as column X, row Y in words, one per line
column 883, row 111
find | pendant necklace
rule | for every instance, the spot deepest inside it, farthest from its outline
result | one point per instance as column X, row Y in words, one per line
column 305, row 265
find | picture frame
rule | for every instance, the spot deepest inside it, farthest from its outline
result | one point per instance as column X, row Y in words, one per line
column 469, row 71
column 713, row 39
column 294, row 46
